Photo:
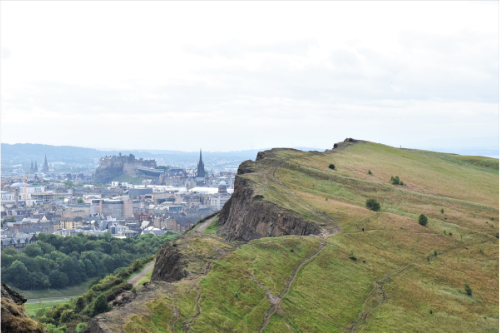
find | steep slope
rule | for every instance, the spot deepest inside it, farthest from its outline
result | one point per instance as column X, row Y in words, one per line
column 14, row 319
column 298, row 251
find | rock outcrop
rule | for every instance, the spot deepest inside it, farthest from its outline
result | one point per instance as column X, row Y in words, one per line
column 245, row 216
column 14, row 320
column 113, row 166
column 169, row 266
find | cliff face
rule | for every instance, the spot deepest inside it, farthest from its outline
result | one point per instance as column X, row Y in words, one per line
column 14, row 320
column 169, row 266
column 245, row 216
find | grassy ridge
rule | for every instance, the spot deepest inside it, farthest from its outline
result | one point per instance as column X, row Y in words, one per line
column 396, row 275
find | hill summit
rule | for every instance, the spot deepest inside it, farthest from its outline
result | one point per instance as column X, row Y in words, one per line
column 361, row 237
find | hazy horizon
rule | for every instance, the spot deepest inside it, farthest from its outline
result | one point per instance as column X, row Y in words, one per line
column 231, row 76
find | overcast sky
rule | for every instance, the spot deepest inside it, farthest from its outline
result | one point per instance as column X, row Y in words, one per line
column 239, row 75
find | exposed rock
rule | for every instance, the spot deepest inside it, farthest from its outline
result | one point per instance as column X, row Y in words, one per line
column 350, row 140
column 246, row 217
column 96, row 326
column 14, row 320
column 169, row 266
column 335, row 145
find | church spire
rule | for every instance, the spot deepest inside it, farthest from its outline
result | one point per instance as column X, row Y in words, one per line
column 45, row 167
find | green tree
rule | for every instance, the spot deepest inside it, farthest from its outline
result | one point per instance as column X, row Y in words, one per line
column 101, row 305
column 19, row 275
column 79, row 201
column 422, row 220
column 66, row 316
column 373, row 204
column 332, row 166
column 32, row 250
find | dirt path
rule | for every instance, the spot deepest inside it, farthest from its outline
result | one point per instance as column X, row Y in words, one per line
column 277, row 300
column 204, row 225
column 134, row 279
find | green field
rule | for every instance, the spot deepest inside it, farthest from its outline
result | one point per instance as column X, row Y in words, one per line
column 32, row 308
column 372, row 272
column 72, row 291
column 128, row 179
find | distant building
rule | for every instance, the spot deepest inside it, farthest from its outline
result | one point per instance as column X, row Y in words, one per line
column 18, row 241
column 45, row 167
column 201, row 167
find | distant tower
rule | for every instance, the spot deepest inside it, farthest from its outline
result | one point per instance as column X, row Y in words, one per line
column 201, row 167
column 36, row 168
column 45, row 167
column 31, row 168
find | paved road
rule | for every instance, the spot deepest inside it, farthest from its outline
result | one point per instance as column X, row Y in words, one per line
column 45, row 300
column 134, row 279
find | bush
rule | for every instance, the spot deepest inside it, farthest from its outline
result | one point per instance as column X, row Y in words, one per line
column 370, row 172
column 422, row 220
column 468, row 289
column 100, row 305
column 332, row 166
column 66, row 316
column 435, row 253
column 442, row 211
column 373, row 204
column 258, row 197
column 396, row 181
column 80, row 327
column 116, row 290
column 352, row 256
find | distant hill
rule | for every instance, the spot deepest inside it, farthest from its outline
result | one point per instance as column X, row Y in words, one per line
column 297, row 250
column 26, row 152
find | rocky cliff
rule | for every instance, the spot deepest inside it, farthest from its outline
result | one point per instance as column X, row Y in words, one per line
column 169, row 266
column 248, row 216
column 14, row 319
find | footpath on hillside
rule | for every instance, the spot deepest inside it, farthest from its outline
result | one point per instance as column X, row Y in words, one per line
column 204, row 225
column 135, row 279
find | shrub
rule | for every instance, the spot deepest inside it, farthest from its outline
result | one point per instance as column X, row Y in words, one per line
column 80, row 327
column 258, row 197
column 435, row 253
column 352, row 256
column 396, row 181
column 373, row 204
column 116, row 290
column 80, row 303
column 422, row 220
column 66, row 316
column 332, row 166
column 468, row 289
column 370, row 172
column 442, row 211
column 100, row 305
column 133, row 290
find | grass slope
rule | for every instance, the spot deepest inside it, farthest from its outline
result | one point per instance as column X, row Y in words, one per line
column 396, row 275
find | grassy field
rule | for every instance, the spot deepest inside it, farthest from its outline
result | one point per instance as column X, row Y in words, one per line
column 128, row 179
column 32, row 308
column 72, row 291
column 383, row 272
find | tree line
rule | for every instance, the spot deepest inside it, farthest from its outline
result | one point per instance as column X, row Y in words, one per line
column 57, row 261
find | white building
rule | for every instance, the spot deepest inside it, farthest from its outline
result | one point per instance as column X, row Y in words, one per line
column 218, row 201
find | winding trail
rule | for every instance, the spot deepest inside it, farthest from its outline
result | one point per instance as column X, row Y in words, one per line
column 276, row 301
column 135, row 279
column 204, row 225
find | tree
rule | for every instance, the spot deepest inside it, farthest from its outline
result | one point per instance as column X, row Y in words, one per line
column 58, row 279
column 32, row 250
column 332, row 166
column 19, row 275
column 79, row 201
column 373, row 204
column 396, row 181
column 422, row 220
column 101, row 305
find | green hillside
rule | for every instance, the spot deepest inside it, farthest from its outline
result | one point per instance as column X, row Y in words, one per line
column 369, row 271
